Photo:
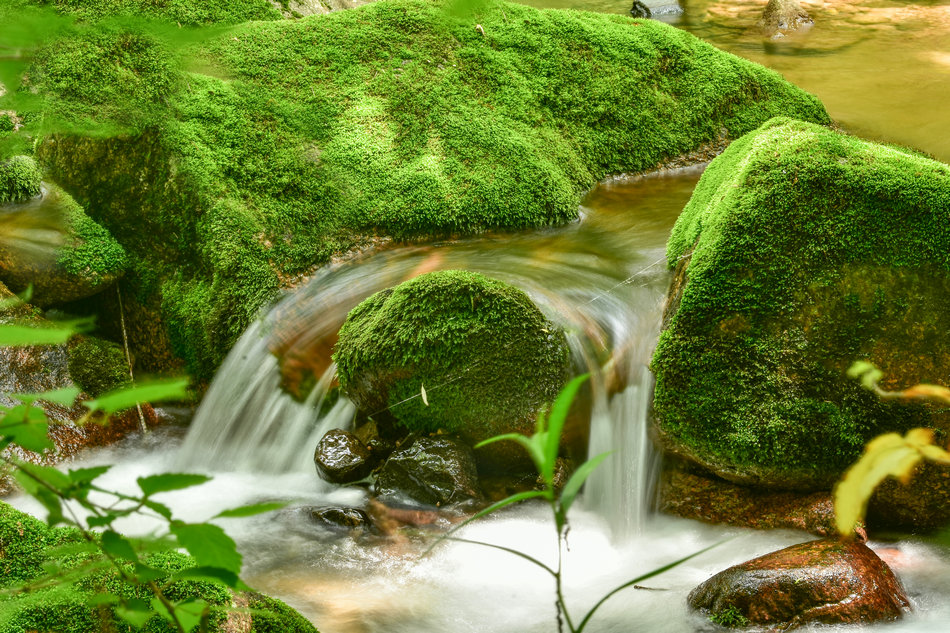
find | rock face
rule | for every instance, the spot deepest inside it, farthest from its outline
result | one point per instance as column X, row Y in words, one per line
column 655, row 8
column 342, row 458
column 453, row 351
column 435, row 471
column 801, row 251
column 827, row 581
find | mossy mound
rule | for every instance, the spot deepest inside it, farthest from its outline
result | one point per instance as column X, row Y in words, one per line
column 801, row 251
column 25, row 543
column 184, row 12
column 97, row 365
column 398, row 118
column 19, row 180
column 53, row 246
column 486, row 356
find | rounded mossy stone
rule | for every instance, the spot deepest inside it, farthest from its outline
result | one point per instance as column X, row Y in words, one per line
column 59, row 250
column 20, row 180
column 97, row 365
column 801, row 251
column 7, row 123
column 485, row 355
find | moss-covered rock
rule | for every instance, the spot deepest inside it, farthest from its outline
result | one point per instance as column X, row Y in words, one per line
column 184, row 12
column 25, row 545
column 53, row 246
column 97, row 365
column 396, row 118
column 801, row 251
column 486, row 356
column 19, row 179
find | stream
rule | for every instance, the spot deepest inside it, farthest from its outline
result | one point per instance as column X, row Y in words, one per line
column 881, row 68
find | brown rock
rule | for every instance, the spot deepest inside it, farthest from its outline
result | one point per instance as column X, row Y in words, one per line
column 707, row 498
column 829, row 581
column 341, row 458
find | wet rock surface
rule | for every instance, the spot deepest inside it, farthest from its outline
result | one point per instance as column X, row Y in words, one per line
column 827, row 581
column 706, row 498
column 342, row 458
column 339, row 518
column 434, row 471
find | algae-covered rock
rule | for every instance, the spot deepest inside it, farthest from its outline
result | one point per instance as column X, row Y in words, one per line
column 801, row 251
column 397, row 118
column 50, row 243
column 484, row 354
column 19, row 179
column 28, row 544
column 97, row 365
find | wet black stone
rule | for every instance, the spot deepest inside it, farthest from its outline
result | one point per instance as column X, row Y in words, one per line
column 341, row 458
column 339, row 518
column 435, row 471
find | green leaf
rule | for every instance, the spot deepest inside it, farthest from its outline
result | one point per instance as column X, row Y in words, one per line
column 216, row 575
column 159, row 508
column 65, row 396
column 135, row 612
column 38, row 475
column 531, row 444
column 574, row 484
column 867, row 373
column 102, row 598
column 251, row 510
column 121, row 399
column 118, row 546
column 167, row 482
column 556, row 419
column 188, row 613
column 14, row 335
column 209, row 545
column 148, row 574
column 86, row 475
column 27, row 426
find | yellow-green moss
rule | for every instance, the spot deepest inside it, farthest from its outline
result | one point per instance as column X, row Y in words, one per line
column 804, row 250
column 19, row 179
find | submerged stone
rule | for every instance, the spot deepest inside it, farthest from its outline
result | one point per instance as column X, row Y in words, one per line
column 801, row 251
column 434, row 471
column 340, row 518
column 827, row 581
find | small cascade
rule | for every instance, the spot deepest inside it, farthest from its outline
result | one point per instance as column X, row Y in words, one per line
column 603, row 280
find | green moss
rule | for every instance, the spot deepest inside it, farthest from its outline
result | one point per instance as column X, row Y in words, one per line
column 311, row 136
column 97, row 366
column 487, row 356
column 19, row 179
column 730, row 617
column 6, row 122
column 804, row 250
column 89, row 251
column 185, row 12
column 24, row 548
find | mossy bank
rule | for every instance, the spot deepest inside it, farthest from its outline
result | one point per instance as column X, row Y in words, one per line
column 25, row 546
column 303, row 138
column 801, row 251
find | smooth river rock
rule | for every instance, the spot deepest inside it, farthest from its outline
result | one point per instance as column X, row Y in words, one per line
column 435, row 471
column 829, row 581
column 341, row 458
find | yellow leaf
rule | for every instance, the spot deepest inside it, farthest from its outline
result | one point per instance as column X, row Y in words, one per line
column 422, row 392
column 934, row 392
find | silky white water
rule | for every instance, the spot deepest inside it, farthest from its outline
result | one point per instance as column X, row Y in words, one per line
column 605, row 281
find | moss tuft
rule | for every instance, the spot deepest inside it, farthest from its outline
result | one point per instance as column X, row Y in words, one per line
column 803, row 250
column 97, row 366
column 486, row 355
column 19, row 179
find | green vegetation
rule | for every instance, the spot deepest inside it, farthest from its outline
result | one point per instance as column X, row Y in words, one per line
column 303, row 138
column 97, row 366
column 89, row 250
column 488, row 357
column 801, row 251
column 19, row 179
column 184, row 12
column 730, row 617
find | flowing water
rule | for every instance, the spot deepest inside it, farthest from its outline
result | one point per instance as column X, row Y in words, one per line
column 881, row 67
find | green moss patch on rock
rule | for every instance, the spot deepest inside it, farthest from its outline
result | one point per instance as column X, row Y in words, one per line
column 19, row 179
column 97, row 365
column 25, row 544
column 53, row 246
column 801, row 251
column 184, row 12
column 308, row 137
column 488, row 358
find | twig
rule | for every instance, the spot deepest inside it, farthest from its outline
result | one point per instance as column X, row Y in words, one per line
column 128, row 358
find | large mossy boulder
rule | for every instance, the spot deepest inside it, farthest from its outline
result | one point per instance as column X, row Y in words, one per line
column 483, row 353
column 20, row 180
column 28, row 545
column 801, row 251
column 311, row 136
